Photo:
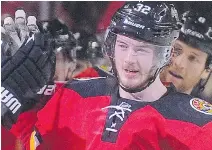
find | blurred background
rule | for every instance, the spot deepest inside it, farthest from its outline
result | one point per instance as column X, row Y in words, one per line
column 90, row 16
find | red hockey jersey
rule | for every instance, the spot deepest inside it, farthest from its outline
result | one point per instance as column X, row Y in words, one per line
column 90, row 114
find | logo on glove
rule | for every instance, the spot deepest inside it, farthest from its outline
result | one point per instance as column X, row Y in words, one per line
column 9, row 100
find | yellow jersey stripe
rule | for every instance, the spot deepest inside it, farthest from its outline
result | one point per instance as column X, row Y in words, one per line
column 32, row 141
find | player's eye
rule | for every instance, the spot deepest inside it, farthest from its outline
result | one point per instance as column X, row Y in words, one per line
column 192, row 58
column 123, row 46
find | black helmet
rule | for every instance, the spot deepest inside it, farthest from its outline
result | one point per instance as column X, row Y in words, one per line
column 152, row 22
column 197, row 31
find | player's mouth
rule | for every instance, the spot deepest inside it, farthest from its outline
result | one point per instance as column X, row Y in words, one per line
column 175, row 75
column 131, row 72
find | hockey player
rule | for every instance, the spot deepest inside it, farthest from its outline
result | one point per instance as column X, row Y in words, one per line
column 192, row 59
column 135, row 111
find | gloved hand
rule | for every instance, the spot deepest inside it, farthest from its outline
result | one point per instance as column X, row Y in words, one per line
column 28, row 66
column 16, row 31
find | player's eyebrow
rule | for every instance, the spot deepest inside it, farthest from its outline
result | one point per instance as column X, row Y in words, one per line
column 141, row 46
column 122, row 42
column 196, row 54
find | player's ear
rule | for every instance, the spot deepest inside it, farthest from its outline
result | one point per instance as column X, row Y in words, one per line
column 205, row 73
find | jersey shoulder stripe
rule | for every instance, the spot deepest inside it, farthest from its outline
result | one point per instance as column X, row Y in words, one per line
column 92, row 87
column 178, row 106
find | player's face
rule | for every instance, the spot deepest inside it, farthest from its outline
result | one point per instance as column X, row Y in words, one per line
column 133, row 60
column 187, row 68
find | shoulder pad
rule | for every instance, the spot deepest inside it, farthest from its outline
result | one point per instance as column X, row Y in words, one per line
column 179, row 106
column 91, row 87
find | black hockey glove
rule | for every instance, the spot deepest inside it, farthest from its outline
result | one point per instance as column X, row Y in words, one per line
column 23, row 75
